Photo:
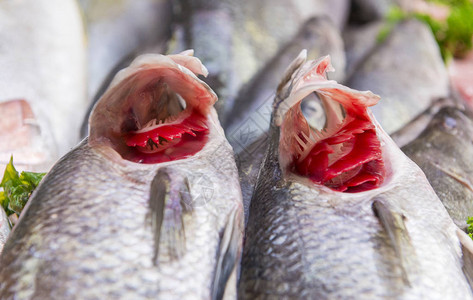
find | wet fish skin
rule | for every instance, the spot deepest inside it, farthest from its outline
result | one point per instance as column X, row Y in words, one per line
column 444, row 152
column 99, row 226
column 409, row 49
column 305, row 240
column 4, row 228
column 42, row 78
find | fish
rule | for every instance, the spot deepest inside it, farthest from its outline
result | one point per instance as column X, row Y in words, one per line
column 340, row 211
column 411, row 49
column 360, row 42
column 414, row 128
column 118, row 32
column 4, row 228
column 148, row 206
column 236, row 39
column 42, row 81
column 442, row 151
column 117, row 29
column 247, row 126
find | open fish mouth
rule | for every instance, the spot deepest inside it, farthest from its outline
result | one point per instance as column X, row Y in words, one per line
column 343, row 151
column 156, row 110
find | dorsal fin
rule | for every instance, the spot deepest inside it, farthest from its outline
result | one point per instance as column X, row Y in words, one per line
column 393, row 223
column 467, row 250
column 228, row 256
column 167, row 207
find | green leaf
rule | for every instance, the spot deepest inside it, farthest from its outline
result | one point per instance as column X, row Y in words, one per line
column 18, row 198
column 17, row 188
column 31, row 178
column 469, row 230
column 11, row 174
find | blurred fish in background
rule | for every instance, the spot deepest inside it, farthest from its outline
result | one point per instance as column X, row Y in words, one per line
column 42, row 81
column 444, row 151
column 406, row 70
column 236, row 39
column 119, row 31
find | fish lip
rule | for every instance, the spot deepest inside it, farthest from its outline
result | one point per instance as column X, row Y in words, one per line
column 337, row 158
column 110, row 119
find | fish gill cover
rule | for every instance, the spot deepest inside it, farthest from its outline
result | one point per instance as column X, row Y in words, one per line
column 162, row 108
column 345, row 153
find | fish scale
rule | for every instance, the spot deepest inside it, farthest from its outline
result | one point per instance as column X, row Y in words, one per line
column 112, row 263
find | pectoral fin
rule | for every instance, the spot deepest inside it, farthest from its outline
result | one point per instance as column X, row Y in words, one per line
column 393, row 223
column 167, row 207
column 228, row 256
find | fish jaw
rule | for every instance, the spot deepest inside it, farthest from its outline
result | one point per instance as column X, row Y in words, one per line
column 156, row 110
column 346, row 154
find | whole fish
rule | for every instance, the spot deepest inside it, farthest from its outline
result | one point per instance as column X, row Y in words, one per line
column 340, row 212
column 149, row 206
column 4, row 228
column 406, row 70
column 444, row 151
column 236, row 39
column 42, row 81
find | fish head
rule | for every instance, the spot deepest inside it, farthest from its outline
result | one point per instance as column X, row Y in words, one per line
column 156, row 110
column 344, row 151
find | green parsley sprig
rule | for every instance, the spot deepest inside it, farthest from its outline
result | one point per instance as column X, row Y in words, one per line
column 469, row 230
column 17, row 188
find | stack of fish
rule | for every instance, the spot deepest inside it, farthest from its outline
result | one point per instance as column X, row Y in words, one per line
column 303, row 192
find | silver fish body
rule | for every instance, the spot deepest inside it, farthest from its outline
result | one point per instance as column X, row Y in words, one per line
column 304, row 240
column 42, row 81
column 102, row 226
column 443, row 152
column 416, row 126
column 406, row 70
